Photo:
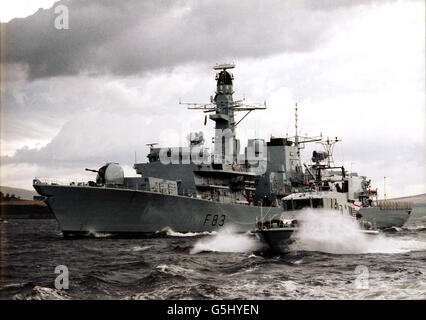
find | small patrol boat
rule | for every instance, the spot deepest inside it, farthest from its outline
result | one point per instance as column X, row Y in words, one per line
column 279, row 232
column 328, row 191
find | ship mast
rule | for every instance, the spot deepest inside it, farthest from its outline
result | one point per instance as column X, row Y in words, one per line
column 329, row 147
column 296, row 137
column 223, row 108
column 299, row 141
column 384, row 189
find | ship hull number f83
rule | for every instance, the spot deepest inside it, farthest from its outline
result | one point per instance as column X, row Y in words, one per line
column 214, row 220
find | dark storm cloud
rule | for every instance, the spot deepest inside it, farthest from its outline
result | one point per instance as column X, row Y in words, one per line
column 80, row 107
column 128, row 37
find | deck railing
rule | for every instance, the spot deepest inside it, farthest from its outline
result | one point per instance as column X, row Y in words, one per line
column 62, row 181
column 80, row 182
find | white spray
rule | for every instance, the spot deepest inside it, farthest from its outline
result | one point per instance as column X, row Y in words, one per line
column 226, row 240
column 331, row 231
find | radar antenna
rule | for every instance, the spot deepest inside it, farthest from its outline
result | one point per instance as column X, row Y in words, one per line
column 224, row 66
column 224, row 107
column 329, row 148
column 151, row 145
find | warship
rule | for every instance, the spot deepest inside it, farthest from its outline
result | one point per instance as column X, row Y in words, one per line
column 191, row 189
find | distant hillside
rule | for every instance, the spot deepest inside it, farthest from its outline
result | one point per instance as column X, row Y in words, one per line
column 417, row 199
column 23, row 193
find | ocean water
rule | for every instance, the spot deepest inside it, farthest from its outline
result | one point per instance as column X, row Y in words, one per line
column 324, row 263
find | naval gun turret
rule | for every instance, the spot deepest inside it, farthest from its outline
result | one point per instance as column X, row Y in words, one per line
column 110, row 174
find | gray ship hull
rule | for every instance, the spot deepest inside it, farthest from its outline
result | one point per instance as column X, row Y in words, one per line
column 385, row 218
column 87, row 210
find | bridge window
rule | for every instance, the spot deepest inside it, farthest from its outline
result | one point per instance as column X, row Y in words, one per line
column 224, row 78
column 317, row 203
column 300, row 204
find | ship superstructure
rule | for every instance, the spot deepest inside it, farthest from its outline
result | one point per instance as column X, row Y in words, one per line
column 264, row 172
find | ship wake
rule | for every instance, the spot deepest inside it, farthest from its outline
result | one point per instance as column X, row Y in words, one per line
column 169, row 232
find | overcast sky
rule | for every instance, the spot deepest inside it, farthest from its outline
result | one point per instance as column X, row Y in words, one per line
column 102, row 89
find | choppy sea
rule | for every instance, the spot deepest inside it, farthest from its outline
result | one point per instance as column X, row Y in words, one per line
column 222, row 265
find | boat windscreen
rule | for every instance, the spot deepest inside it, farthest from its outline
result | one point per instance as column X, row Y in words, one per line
column 303, row 203
column 317, row 203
